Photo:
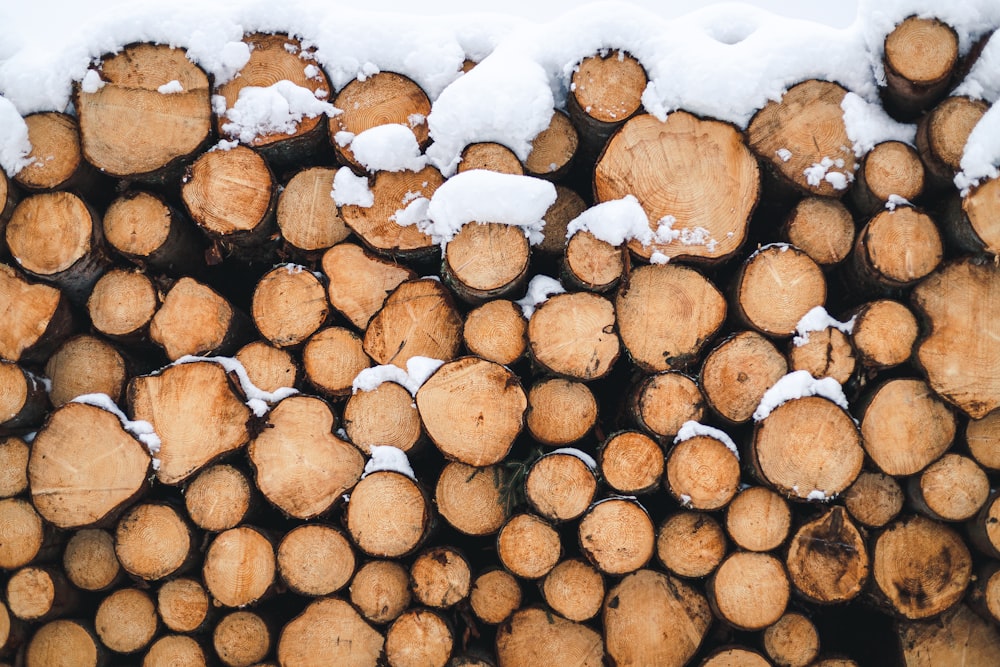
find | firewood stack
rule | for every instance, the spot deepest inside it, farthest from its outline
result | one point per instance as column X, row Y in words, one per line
column 764, row 433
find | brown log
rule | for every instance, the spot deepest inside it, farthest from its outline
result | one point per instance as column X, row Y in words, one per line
column 528, row 546
column 591, row 264
column 758, row 519
column 269, row 368
column 690, row 544
column 175, row 650
column 219, row 497
column 419, row 638
column 242, row 638
column 532, row 636
column 490, row 156
column 440, row 577
column 953, row 488
column 154, row 541
column 381, row 590
column 983, row 533
column 560, row 485
column 822, row 228
column 126, row 620
column 824, row 353
column 183, row 605
column 145, row 229
column 651, row 618
column 128, row 128
column 195, row 319
column 388, row 515
column 895, row 249
column 239, row 567
column 776, row 286
column 884, row 334
column 329, row 630
column 749, row 590
column 889, row 168
column 39, row 593
column 307, row 216
column 90, row 561
column 675, row 169
column 418, row 319
column 23, row 399
column 72, row 483
column 56, row 156
column 574, row 589
column 874, row 499
column 38, row 317
column 792, row 641
column 289, row 305
column 122, row 305
column 920, row 57
column 982, row 437
column 663, row 402
column 970, row 221
column 553, row 149
column 827, row 561
column 13, row 634
column 702, row 472
column 803, row 140
column 486, row 261
column 386, row 415
column 955, row 637
column 25, row 536
column 494, row 596
column 573, row 335
column 617, row 536
column 734, row 656
column 472, row 499
column 14, row 454
column 496, row 331
column 64, row 643
column 85, row 364
column 605, row 90
column 631, row 462
column 567, row 206
column 195, row 413
column 984, row 592
column 560, row 412
column 920, row 567
column 332, row 358
column 358, row 282
column 942, row 134
column 737, row 372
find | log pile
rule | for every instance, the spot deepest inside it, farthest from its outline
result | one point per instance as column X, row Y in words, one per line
column 765, row 434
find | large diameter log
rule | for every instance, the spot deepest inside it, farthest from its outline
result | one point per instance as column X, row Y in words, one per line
column 920, row 57
column 144, row 228
column 573, row 335
column 956, row 637
column 697, row 174
column 84, row 467
column 532, row 636
column 417, row 319
column 127, row 126
column 962, row 364
column 37, row 317
column 358, row 282
column 329, row 631
column 651, row 618
column 827, row 559
column 388, row 515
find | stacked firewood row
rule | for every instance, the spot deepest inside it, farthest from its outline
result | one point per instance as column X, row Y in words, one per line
column 243, row 425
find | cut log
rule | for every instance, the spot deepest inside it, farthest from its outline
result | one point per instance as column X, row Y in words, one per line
column 388, row 515
column 617, row 536
column 921, row 568
column 591, row 264
column 496, row 331
column 573, row 335
column 494, row 596
column 24, row 534
column 651, row 618
column 85, row 364
column 560, row 486
column 289, row 305
column 183, row 605
column 126, row 620
column 824, row 353
column 553, row 149
column 528, row 546
column 828, row 562
column 37, row 317
column 490, row 156
column 329, row 630
column 691, row 544
column 663, row 293
column 942, row 134
column 332, row 358
column 920, row 57
column 239, row 567
column 758, row 519
column 90, row 561
column 219, row 497
column 776, row 286
column 128, row 128
column 145, row 229
column 970, row 221
column 386, row 415
column 418, row 319
column 895, row 249
column 822, row 228
column 905, row 426
column 567, row 206
column 884, row 334
column 486, row 261
column 953, row 488
column 803, row 140
column 890, row 168
column 472, row 499
column 957, row 636
column 242, row 638
column 631, row 463
column 358, row 282
column 14, row 453
column 749, row 590
column 560, row 411
column 874, row 499
column 605, row 90
column 23, row 399
column 981, row 435
column 56, row 237
column 702, row 472
column 153, row 541
column 440, row 577
column 695, row 176
column 984, row 592
column 64, row 643
column 532, row 636
column 39, row 593
column 195, row 319
column 307, row 215
column 13, row 634
column 122, row 305
column 381, row 590
column 983, row 530
column 315, row 560
column 792, row 641
column 171, row 650
column 473, row 410
column 380, row 99
column 195, row 413
column 269, row 368
column 84, row 467
column 574, row 590
column 56, row 156
column 737, row 372
column 419, row 638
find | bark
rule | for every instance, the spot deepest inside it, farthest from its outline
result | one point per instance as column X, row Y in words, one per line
column 23, row 399
column 970, row 221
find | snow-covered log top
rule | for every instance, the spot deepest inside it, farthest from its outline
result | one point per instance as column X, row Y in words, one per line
column 723, row 61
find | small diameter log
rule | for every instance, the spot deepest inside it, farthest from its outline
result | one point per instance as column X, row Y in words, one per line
column 822, row 228
column 37, row 317
column 758, row 519
column 959, row 634
column 560, row 411
column 289, row 305
column 126, row 620
column 13, row 634
column 792, row 641
column 472, row 499
column 984, row 592
column 332, row 358
column 617, row 536
column 734, row 656
column 473, row 410
column 242, row 638
column 419, row 638
column 145, row 229
column 970, row 221
column 56, row 237
column 230, row 195
column 962, row 366
column 605, row 90
column 884, row 334
column 494, row 596
column 895, row 249
column 803, row 140
column 920, row 567
column 553, row 149
column 981, row 435
column 56, row 157
column 905, row 426
column 920, row 56
column 171, row 650
column 984, row 530
column 942, row 134
column 307, row 216
column 749, row 590
column 64, row 643
column 652, row 618
column 702, row 472
column 128, row 127
column 574, row 590
column 698, row 177
column 380, row 590
column 737, row 372
column 195, row 319
column 663, row 293
column 269, row 368
column 24, row 534
column 528, row 546
column 496, row 331
column 315, row 560
column 591, row 264
column 807, row 449
column 358, row 282
column 663, row 402
column 440, row 577
column 486, row 261
column 776, row 286
column 90, row 561
column 490, row 156
column 84, row 467
column 388, row 515
column 85, row 364
column 386, row 415
column 182, row 605
column 376, row 226
column 567, row 206
column 329, row 630
column 299, row 465
column 380, row 99
column 153, row 541
column 874, row 499
column 14, row 453
column 631, row 463
column 38, row 593
column 219, row 498
column 418, row 319
column 573, row 335
column 122, row 305
column 532, row 636
column 824, row 353
column 953, row 488
column 561, row 485
column 890, row 168
column 827, row 561
column 690, row 544
column 239, row 567
column 23, row 399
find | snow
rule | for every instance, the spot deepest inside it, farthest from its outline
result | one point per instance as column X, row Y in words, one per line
column 982, row 152
column 14, row 144
column 895, row 200
column 141, row 429
column 258, row 400
column 275, row 109
column 868, row 124
column 388, row 458
column 621, row 220
column 817, row 319
column 389, row 147
column 816, row 494
column 826, row 170
column 795, row 385
column 539, row 290
column 580, row 454
column 91, row 81
column 691, row 429
column 418, row 369
column 350, row 189
column 171, row 87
